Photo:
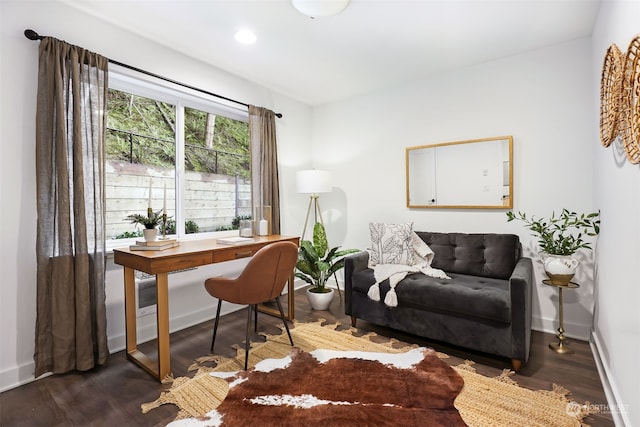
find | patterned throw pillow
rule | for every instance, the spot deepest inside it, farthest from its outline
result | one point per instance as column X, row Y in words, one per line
column 391, row 244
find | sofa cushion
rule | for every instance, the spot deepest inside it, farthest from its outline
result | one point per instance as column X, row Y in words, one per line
column 486, row 255
column 463, row 295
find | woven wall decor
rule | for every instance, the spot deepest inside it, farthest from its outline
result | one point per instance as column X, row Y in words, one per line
column 630, row 102
column 610, row 94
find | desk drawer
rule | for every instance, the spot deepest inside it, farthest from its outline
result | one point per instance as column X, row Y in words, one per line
column 234, row 253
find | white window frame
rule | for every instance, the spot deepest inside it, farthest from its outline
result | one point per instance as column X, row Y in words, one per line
column 130, row 81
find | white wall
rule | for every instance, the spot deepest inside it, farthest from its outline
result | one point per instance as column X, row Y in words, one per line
column 542, row 98
column 547, row 99
column 616, row 184
column 18, row 80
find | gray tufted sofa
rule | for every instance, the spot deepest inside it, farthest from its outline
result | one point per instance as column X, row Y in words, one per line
column 485, row 306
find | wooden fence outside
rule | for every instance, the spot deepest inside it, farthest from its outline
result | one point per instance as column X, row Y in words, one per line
column 213, row 200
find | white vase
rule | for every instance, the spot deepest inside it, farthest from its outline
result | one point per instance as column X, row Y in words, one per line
column 318, row 300
column 150, row 234
column 560, row 268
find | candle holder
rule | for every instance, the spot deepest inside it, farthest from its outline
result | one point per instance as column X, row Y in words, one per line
column 164, row 225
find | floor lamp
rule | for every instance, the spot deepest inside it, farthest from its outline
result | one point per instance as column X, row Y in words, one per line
column 313, row 182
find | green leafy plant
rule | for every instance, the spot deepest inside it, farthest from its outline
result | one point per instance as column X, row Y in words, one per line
column 149, row 221
column 316, row 262
column 190, row 227
column 129, row 234
column 563, row 234
column 235, row 222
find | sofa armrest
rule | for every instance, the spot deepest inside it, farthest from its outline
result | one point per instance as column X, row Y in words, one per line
column 352, row 264
column 521, row 285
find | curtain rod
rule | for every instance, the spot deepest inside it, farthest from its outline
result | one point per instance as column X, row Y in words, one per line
column 32, row 35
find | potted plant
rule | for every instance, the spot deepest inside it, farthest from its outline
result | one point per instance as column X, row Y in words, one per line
column 150, row 223
column 316, row 263
column 559, row 238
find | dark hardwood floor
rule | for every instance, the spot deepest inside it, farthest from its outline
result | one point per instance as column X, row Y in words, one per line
column 112, row 394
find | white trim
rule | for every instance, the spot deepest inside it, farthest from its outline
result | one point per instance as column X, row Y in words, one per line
column 620, row 417
column 23, row 374
column 180, row 97
column 131, row 81
column 574, row 330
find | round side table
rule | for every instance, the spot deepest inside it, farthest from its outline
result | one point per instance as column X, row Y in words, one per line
column 561, row 345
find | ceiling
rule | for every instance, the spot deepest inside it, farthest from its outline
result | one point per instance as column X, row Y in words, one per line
column 371, row 45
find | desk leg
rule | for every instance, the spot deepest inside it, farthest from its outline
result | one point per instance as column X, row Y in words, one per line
column 130, row 309
column 290, row 314
column 162, row 314
column 162, row 369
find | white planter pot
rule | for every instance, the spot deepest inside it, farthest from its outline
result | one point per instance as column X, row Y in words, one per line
column 150, row 234
column 560, row 268
column 320, row 301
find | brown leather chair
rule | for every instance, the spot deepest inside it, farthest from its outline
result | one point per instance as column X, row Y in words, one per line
column 262, row 280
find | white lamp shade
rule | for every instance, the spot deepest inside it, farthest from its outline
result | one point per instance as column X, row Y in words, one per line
column 313, row 181
column 320, row 8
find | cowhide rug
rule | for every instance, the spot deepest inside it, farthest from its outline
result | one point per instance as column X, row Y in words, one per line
column 340, row 388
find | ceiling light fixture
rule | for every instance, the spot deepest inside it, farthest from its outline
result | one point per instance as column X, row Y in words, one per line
column 320, row 8
column 245, row 37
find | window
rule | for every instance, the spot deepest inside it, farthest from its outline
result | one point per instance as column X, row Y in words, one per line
column 167, row 147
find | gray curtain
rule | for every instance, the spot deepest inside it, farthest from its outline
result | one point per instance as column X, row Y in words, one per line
column 264, row 162
column 70, row 246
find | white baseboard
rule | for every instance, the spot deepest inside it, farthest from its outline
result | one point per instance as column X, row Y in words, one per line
column 20, row 375
column 23, row 374
column 187, row 320
column 618, row 411
column 571, row 330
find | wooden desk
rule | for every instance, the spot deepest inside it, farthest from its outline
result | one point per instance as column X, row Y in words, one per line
column 189, row 254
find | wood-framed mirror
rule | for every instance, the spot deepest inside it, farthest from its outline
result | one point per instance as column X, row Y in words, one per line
column 472, row 174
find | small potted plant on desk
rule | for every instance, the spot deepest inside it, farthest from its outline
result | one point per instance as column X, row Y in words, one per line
column 559, row 238
column 150, row 223
column 316, row 263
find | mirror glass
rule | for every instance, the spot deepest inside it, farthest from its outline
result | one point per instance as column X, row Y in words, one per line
column 464, row 174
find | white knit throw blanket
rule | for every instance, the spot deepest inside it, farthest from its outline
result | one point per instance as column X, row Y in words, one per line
column 396, row 272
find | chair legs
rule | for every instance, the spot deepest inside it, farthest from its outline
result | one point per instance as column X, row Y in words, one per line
column 215, row 325
column 250, row 308
column 255, row 318
column 247, row 344
column 284, row 320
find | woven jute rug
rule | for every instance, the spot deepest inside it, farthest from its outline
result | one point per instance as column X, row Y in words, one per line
column 483, row 401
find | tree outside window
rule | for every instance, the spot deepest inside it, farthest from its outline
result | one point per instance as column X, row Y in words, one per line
column 202, row 158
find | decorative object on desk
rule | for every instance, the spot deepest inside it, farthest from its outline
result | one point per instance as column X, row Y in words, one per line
column 159, row 242
column 150, row 223
column 263, row 220
column 236, row 240
column 559, row 238
column 313, row 182
column 483, row 400
column 157, row 245
column 316, row 263
column 246, row 228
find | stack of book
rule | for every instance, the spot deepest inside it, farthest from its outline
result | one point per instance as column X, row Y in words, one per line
column 235, row 240
column 156, row 245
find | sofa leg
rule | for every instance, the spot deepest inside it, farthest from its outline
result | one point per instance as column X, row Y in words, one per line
column 353, row 321
column 516, row 364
